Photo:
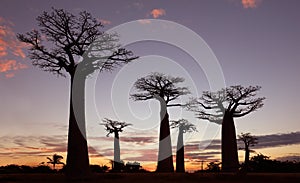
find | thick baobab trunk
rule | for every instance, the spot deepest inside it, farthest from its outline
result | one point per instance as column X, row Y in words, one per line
column 180, row 152
column 230, row 161
column 117, row 157
column 77, row 154
column 165, row 159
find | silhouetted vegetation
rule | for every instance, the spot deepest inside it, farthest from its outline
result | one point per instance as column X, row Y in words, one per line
column 213, row 167
column 25, row 169
column 221, row 107
column 249, row 141
column 262, row 163
column 165, row 89
column 99, row 169
column 74, row 46
column 129, row 167
column 258, row 163
column 183, row 127
column 56, row 159
column 115, row 127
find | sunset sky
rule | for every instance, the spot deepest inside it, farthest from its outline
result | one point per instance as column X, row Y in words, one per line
column 256, row 42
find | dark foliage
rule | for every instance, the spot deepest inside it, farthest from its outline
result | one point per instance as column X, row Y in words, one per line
column 262, row 163
column 8, row 169
column 99, row 169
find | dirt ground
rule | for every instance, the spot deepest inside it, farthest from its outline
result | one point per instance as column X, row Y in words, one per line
column 153, row 178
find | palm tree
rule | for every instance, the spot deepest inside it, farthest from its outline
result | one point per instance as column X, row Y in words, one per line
column 55, row 160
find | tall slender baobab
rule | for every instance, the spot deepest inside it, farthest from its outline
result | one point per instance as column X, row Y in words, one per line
column 74, row 46
column 249, row 141
column 221, row 107
column 183, row 127
column 164, row 89
column 115, row 127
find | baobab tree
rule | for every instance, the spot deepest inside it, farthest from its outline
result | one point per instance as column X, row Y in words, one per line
column 164, row 89
column 249, row 141
column 183, row 127
column 222, row 107
column 56, row 159
column 71, row 45
column 115, row 127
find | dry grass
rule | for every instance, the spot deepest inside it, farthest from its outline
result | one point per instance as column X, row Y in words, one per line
column 153, row 178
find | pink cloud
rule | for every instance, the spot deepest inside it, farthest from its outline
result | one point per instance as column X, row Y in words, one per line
column 10, row 49
column 250, row 3
column 157, row 13
column 9, row 75
column 104, row 21
column 11, row 65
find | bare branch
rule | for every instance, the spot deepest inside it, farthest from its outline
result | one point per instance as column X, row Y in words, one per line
column 236, row 100
column 63, row 39
column 157, row 85
column 248, row 139
column 112, row 126
column 183, row 125
column 174, row 105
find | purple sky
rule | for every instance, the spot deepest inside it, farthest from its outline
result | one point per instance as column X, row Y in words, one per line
column 257, row 42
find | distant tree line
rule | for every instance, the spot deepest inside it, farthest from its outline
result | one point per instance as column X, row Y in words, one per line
column 257, row 164
column 260, row 164
column 129, row 167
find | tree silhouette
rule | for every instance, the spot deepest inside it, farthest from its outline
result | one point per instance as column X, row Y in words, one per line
column 74, row 46
column 164, row 89
column 183, row 126
column 221, row 107
column 213, row 166
column 249, row 141
column 115, row 127
column 55, row 160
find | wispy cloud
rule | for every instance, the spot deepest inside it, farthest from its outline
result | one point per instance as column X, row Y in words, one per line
column 277, row 140
column 144, row 21
column 104, row 21
column 264, row 141
column 10, row 50
column 143, row 155
column 250, row 3
column 139, row 140
column 23, row 146
column 14, row 147
column 209, row 150
column 134, row 148
column 6, row 66
column 158, row 13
